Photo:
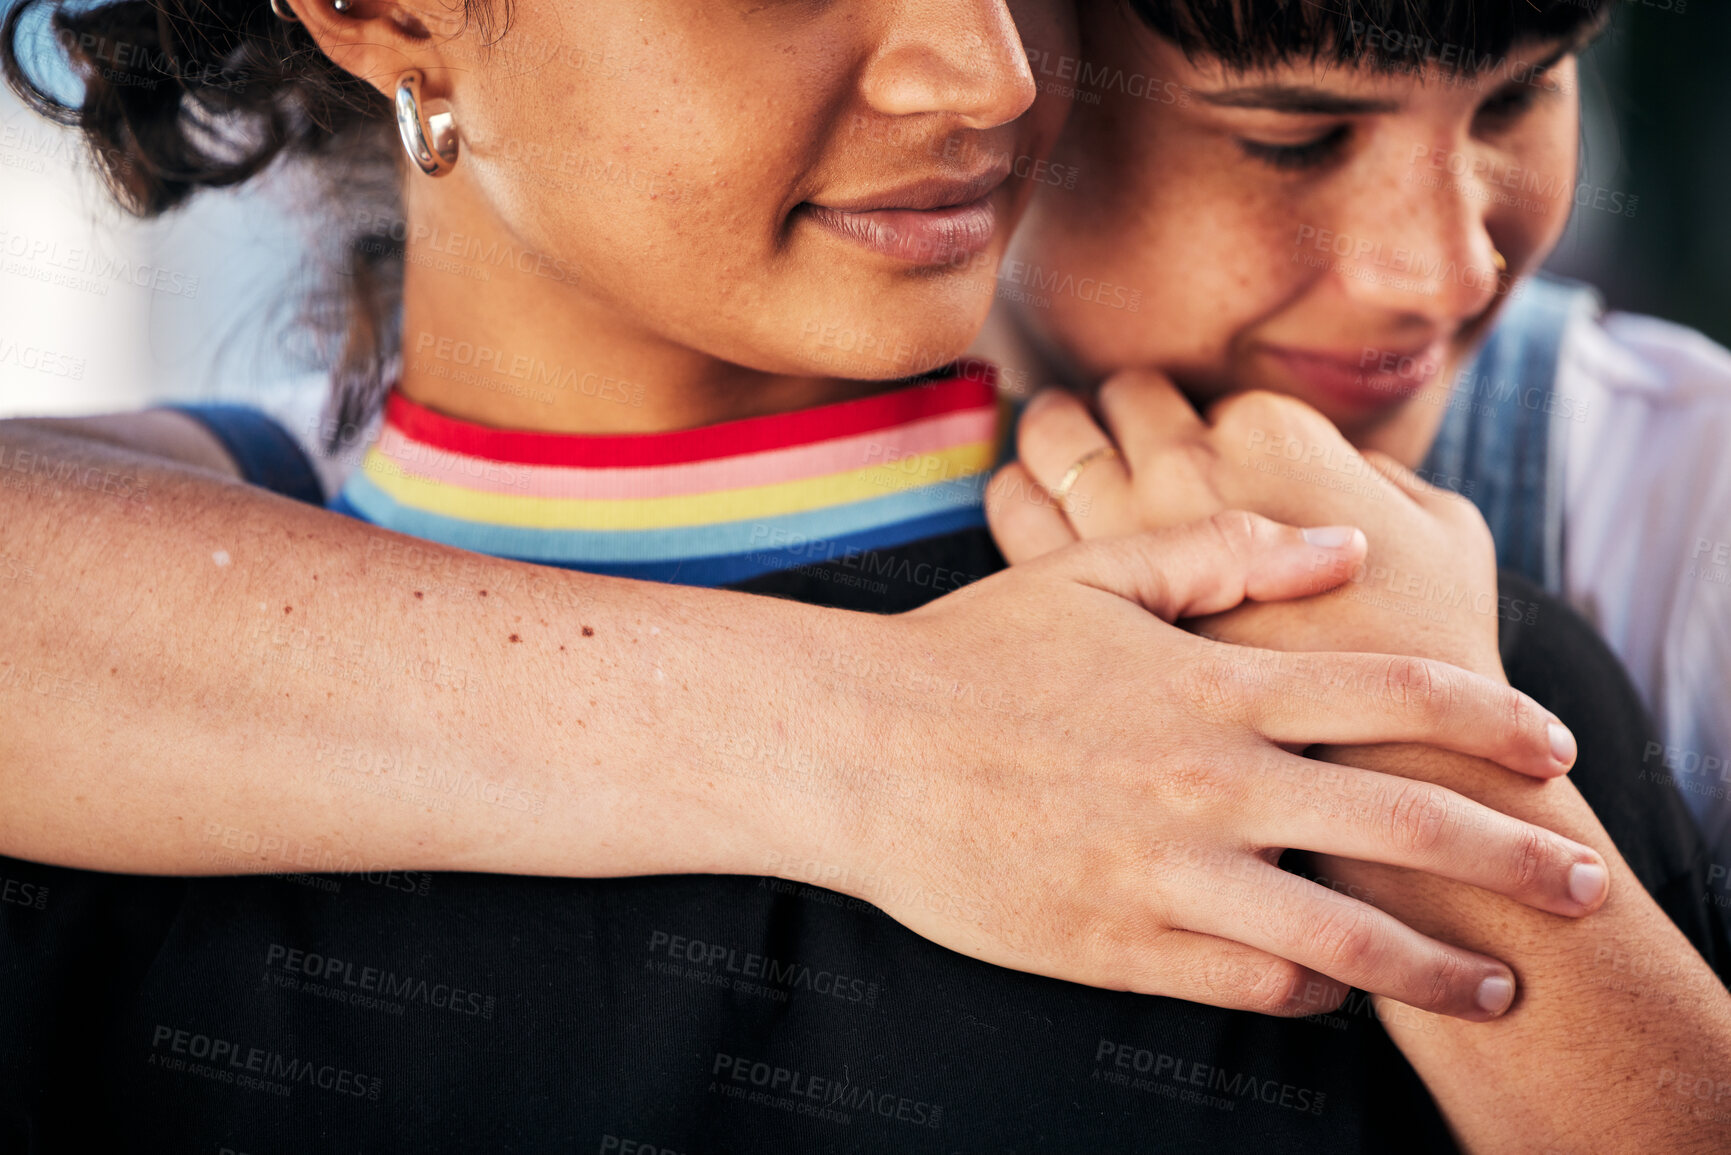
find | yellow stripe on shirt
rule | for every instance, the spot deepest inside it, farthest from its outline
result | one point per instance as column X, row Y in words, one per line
column 681, row 510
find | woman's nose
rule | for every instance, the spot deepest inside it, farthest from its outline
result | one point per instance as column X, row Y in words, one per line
column 1415, row 239
column 960, row 58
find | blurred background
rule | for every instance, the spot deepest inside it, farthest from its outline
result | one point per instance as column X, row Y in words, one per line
column 201, row 305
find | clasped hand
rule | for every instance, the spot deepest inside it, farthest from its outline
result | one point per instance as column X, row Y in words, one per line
column 1139, row 851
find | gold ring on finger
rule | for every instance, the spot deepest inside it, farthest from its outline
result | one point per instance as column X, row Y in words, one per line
column 1061, row 495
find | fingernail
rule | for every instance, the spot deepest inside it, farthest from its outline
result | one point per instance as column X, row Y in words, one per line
column 1330, row 536
column 1495, row 994
column 1562, row 743
column 1587, row 883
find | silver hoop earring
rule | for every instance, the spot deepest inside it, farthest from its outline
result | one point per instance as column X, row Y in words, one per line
column 284, row 12
column 429, row 134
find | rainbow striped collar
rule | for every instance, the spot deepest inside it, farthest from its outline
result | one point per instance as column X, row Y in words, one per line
column 709, row 506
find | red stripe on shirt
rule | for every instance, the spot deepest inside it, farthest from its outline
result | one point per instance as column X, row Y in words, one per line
column 974, row 387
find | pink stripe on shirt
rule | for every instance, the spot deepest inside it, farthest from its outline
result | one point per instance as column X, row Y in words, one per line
column 769, row 467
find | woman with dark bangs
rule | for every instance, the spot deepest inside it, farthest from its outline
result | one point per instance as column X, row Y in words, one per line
column 1101, row 804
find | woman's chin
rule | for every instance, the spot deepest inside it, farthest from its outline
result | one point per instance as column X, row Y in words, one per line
column 929, row 332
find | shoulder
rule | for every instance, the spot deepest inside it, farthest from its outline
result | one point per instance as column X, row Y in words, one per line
column 1651, row 396
column 1647, row 503
column 1658, row 363
column 270, row 422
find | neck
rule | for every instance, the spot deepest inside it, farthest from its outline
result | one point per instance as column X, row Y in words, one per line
column 497, row 333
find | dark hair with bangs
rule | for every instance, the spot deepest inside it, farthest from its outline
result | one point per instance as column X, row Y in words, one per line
column 1464, row 36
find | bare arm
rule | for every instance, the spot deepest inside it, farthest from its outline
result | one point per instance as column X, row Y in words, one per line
column 1621, row 1039
column 191, row 673
column 197, row 677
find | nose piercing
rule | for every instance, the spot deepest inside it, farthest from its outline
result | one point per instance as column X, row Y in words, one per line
column 1497, row 257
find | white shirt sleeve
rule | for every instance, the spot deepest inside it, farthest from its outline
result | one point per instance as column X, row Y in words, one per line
column 1647, row 535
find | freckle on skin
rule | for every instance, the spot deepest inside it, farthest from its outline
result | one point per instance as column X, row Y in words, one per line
column 419, row 594
column 588, row 631
column 515, row 638
column 288, row 609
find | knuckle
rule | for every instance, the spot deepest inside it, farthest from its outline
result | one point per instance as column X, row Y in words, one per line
column 1212, row 689
column 1118, row 389
column 1463, row 519
column 1231, row 407
column 1186, row 467
column 1236, row 530
column 1257, row 405
column 1527, row 856
column 1036, row 432
column 1452, row 506
column 1418, row 817
column 1447, row 973
column 1377, row 459
column 1459, row 509
column 1150, row 579
column 1191, row 783
column 1346, row 940
column 1110, row 953
column 1411, row 682
column 1522, row 717
column 1273, row 988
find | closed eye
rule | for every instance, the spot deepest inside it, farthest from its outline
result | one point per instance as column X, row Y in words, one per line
column 1509, row 104
column 1297, row 157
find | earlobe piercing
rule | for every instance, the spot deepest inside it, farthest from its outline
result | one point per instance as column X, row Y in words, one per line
column 284, row 12
column 429, row 132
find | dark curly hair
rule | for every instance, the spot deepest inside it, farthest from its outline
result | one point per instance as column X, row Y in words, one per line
column 183, row 95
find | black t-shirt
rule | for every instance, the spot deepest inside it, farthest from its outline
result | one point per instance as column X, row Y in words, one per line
column 401, row 1011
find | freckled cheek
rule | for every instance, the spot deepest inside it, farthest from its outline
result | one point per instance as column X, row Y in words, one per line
column 1548, row 155
column 1531, row 227
column 1232, row 247
column 1222, row 267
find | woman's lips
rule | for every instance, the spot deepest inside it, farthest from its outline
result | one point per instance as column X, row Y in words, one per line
column 1369, row 379
column 944, row 233
column 918, row 236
